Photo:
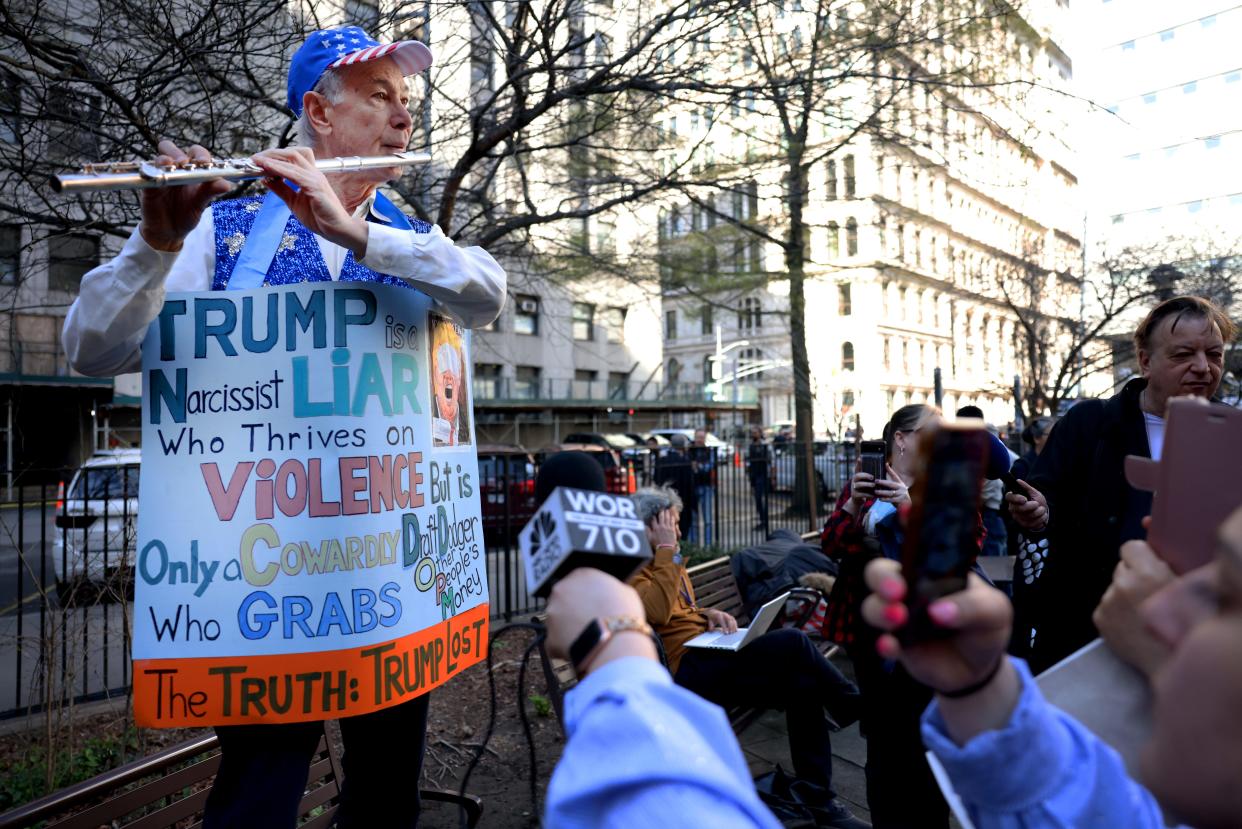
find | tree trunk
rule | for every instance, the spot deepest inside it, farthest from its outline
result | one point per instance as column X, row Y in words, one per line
column 806, row 493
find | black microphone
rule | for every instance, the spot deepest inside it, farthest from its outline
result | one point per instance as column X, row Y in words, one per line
column 581, row 528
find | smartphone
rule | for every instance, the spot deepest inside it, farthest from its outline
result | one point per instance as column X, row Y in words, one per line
column 874, row 457
column 1195, row 484
column 941, row 541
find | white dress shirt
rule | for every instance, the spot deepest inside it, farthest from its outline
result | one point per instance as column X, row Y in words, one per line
column 105, row 326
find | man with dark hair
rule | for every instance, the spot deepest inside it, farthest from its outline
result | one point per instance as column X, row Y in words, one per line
column 1080, row 498
column 759, row 470
column 675, row 470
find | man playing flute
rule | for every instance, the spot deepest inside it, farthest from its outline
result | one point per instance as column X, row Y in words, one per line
column 349, row 94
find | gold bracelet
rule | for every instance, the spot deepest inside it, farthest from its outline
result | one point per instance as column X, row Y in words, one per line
column 602, row 630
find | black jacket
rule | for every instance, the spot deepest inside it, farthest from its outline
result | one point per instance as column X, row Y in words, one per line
column 674, row 470
column 1093, row 511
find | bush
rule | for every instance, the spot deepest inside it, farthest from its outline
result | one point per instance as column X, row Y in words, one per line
column 26, row 779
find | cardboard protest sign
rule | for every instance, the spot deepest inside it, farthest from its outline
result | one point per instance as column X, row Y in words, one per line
column 309, row 537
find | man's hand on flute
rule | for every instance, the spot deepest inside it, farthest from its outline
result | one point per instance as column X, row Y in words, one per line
column 314, row 202
column 170, row 213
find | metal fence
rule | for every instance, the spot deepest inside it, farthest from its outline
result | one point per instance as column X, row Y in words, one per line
column 66, row 578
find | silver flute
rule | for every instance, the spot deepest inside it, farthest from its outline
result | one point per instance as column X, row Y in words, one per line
column 139, row 175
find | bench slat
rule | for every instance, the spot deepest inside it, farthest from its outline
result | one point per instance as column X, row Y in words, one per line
column 322, row 821
column 173, row 812
column 144, row 795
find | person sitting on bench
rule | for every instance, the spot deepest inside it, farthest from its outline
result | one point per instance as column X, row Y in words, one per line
column 781, row 669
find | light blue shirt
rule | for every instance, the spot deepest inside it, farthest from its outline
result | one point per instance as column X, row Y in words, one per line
column 645, row 752
column 1043, row 770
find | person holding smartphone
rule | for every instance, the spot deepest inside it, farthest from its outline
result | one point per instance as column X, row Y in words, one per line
column 1016, row 760
column 901, row 791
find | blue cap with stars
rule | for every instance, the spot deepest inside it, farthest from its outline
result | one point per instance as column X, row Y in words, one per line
column 346, row 46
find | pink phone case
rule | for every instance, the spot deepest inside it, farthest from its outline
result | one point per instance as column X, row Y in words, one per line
column 1196, row 484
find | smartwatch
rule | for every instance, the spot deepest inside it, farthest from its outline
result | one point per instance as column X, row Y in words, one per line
column 597, row 632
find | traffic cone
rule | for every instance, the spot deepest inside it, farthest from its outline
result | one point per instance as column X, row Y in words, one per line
column 737, row 457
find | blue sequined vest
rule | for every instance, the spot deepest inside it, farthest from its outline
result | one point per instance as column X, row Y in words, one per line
column 297, row 260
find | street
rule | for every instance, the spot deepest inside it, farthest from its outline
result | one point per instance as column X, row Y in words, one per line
column 19, row 579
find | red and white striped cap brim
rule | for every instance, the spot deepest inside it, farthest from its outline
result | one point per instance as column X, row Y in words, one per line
column 411, row 56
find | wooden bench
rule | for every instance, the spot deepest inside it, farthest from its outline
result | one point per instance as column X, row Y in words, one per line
column 169, row 789
column 714, row 587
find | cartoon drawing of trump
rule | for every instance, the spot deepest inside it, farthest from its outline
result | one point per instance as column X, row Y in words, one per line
column 450, row 422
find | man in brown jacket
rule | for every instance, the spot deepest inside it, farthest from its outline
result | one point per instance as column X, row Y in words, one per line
column 781, row 669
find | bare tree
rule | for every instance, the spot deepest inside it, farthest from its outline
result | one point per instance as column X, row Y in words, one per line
column 1069, row 332
column 813, row 78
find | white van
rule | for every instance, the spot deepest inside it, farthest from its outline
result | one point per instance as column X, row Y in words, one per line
column 98, row 522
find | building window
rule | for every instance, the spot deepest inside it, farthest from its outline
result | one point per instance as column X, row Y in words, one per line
column 70, row 114
column 10, row 106
column 583, row 321
column 486, row 381
column 706, row 319
column 1233, row 77
column 614, row 324
column 832, row 180
column 1189, row 88
column 69, row 258
column 834, row 240
column 618, row 382
column 708, row 362
column 845, row 305
column 526, row 315
column 584, row 379
column 672, row 371
column 526, row 383
column 750, row 314
column 887, row 355
column 670, row 325
column 847, row 356
column 1149, row 98
column 363, row 14
column 1212, row 143
column 851, row 238
column 849, row 177
column 1166, row 35
column 10, row 253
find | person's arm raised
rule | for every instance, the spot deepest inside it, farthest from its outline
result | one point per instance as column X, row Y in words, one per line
column 976, row 686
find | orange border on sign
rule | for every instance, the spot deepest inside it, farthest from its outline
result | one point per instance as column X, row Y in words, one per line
column 302, row 687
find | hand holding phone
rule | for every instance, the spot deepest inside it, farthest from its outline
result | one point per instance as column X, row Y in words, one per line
column 941, row 539
column 873, row 458
column 892, row 488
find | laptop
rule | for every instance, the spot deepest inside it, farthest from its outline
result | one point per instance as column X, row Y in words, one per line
column 744, row 636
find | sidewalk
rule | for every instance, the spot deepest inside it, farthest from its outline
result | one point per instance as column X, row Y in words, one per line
column 766, row 744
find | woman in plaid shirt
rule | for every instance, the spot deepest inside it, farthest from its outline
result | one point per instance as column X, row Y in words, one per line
column 901, row 791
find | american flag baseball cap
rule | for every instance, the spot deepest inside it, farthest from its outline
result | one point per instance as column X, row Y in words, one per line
column 347, row 46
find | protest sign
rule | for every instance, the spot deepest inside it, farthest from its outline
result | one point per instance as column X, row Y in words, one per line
column 309, row 538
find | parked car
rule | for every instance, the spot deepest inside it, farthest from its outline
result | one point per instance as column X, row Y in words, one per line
column 618, row 475
column 98, row 525
column 832, row 461
column 506, row 491
column 721, row 447
column 641, row 438
column 612, row 440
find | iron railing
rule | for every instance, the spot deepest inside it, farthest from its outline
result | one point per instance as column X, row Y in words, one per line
column 66, row 558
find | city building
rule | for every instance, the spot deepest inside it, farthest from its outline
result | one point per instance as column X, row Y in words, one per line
column 940, row 242
column 1165, row 140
